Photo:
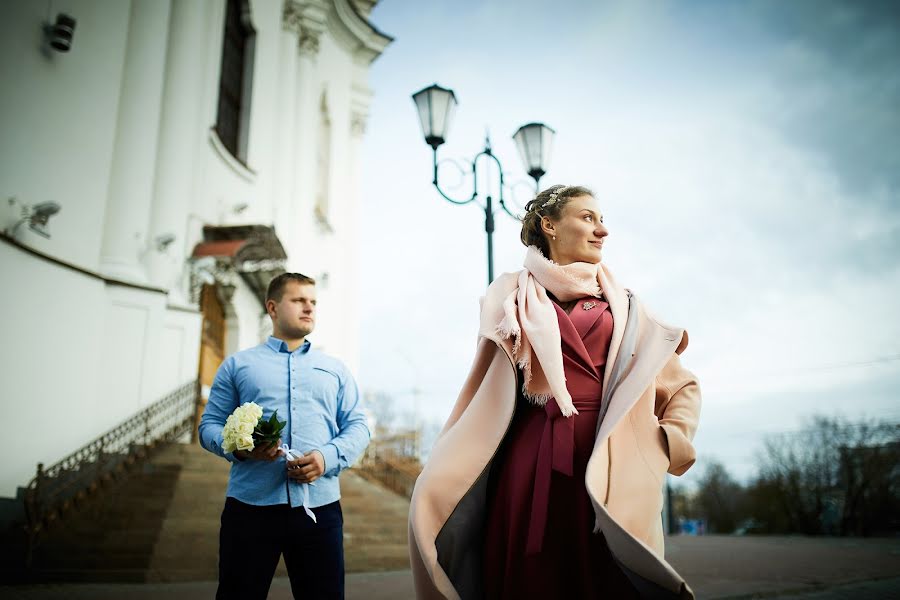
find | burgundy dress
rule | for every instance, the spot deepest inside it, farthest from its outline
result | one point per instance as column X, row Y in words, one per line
column 539, row 540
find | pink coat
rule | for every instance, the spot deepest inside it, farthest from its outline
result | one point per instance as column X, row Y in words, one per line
column 653, row 409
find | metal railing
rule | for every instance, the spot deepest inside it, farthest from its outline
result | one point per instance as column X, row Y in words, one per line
column 57, row 489
column 393, row 462
column 395, row 474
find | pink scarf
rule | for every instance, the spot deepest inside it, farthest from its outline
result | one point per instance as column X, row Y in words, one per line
column 530, row 318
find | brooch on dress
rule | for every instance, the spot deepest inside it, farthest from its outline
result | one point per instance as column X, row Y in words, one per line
column 588, row 305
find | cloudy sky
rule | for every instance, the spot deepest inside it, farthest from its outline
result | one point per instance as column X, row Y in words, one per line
column 746, row 158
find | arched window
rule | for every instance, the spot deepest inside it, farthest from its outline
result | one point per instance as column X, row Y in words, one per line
column 236, row 79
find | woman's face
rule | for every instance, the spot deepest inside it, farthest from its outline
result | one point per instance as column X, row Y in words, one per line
column 579, row 232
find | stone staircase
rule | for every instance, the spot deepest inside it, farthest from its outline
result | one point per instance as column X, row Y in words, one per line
column 374, row 525
column 162, row 524
column 113, row 535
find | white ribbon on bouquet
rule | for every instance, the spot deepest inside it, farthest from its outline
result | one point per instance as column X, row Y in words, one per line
column 304, row 487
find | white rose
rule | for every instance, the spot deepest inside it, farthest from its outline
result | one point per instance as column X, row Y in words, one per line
column 252, row 410
column 245, row 442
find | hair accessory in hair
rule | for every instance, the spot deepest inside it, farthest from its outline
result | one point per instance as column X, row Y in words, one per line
column 553, row 196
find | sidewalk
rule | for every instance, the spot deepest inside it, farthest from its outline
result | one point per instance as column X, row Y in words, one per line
column 717, row 567
column 392, row 585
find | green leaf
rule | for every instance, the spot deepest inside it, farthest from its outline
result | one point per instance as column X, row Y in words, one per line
column 269, row 430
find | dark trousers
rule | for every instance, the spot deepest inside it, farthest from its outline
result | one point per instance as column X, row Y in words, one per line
column 253, row 538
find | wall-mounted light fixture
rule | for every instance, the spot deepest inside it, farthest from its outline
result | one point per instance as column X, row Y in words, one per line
column 59, row 35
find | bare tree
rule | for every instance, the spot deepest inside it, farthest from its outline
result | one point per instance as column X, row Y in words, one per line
column 833, row 476
column 868, row 476
column 720, row 499
column 383, row 407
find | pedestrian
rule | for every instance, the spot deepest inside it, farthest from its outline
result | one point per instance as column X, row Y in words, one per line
column 279, row 504
column 547, row 479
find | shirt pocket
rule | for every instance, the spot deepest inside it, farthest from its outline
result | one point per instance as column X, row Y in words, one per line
column 324, row 385
column 319, row 414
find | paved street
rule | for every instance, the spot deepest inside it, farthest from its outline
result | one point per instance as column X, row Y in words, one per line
column 884, row 589
column 717, row 567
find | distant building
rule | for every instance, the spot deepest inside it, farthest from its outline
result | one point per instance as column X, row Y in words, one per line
column 193, row 148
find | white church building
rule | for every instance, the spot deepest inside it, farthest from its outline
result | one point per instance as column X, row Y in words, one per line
column 160, row 161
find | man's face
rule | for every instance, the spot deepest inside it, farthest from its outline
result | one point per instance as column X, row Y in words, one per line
column 294, row 316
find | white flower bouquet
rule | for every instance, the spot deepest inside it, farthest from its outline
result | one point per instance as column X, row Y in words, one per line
column 245, row 427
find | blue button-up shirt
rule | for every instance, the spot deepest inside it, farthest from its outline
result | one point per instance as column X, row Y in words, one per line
column 317, row 396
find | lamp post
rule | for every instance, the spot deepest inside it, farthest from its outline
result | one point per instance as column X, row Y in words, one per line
column 436, row 106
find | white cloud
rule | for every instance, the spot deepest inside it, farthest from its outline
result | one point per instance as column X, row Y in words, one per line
column 725, row 217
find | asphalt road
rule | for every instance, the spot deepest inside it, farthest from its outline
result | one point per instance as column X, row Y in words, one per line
column 716, row 567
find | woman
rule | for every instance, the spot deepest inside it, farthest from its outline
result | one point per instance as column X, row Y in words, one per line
column 547, row 479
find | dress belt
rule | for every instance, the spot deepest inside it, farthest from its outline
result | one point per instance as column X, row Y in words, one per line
column 556, row 453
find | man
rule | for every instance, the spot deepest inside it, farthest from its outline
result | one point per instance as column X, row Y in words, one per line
column 265, row 514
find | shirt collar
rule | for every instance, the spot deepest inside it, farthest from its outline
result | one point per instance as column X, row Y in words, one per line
column 279, row 345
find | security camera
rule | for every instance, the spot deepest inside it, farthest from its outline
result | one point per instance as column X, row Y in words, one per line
column 163, row 241
column 40, row 213
column 36, row 216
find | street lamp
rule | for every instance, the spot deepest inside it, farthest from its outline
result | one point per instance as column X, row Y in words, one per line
column 436, row 106
column 534, row 141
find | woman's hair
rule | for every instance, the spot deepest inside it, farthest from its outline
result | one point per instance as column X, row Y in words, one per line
column 548, row 203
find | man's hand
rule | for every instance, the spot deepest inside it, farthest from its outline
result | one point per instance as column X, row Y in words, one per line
column 308, row 468
column 266, row 452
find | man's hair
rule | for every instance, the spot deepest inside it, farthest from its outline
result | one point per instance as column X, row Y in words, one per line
column 276, row 286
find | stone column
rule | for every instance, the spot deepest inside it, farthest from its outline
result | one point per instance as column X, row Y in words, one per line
column 360, row 99
column 181, row 130
column 286, row 140
column 130, row 190
column 312, row 21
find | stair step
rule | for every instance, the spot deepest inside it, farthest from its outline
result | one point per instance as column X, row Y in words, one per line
column 111, row 536
column 161, row 523
column 106, row 575
column 138, row 559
